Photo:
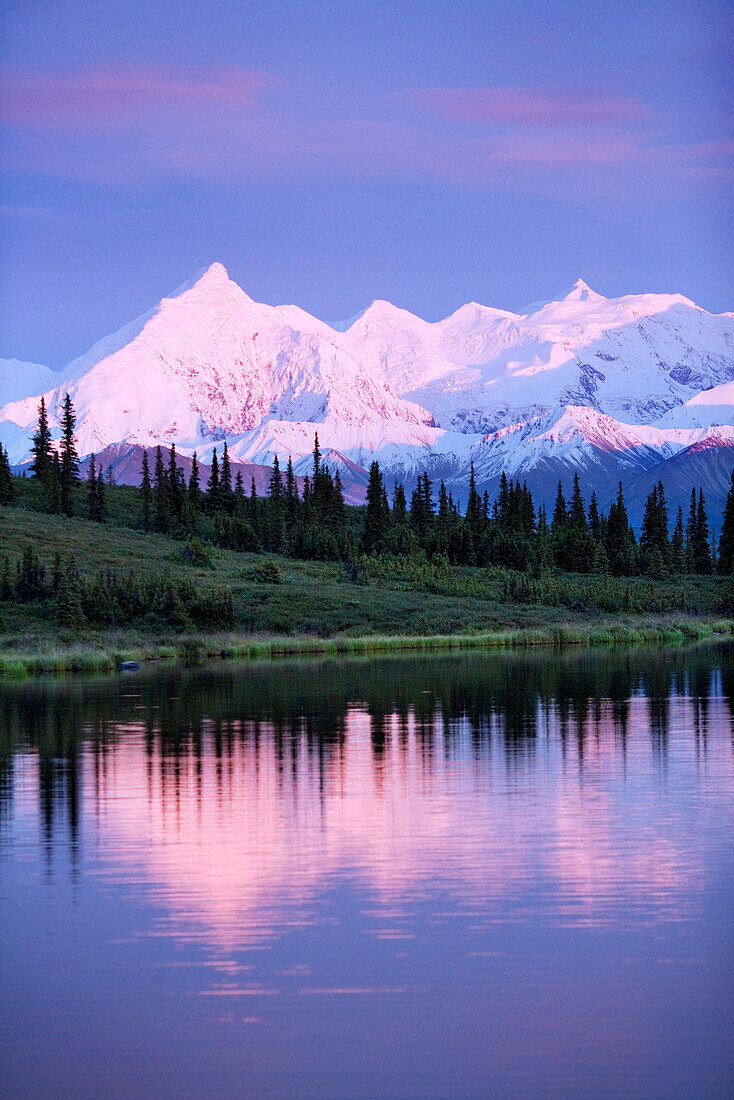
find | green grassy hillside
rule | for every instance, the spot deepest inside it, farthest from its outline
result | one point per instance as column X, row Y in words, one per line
column 303, row 603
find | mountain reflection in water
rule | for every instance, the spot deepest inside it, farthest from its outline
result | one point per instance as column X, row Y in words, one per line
column 523, row 863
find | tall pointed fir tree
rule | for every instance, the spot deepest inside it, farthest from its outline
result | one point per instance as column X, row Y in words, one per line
column 702, row 545
column 620, row 540
column 7, row 489
column 374, row 520
column 654, row 537
column 291, row 498
column 474, row 509
column 691, row 528
column 726, row 538
column 594, row 517
column 175, row 486
column 193, row 489
column 213, row 494
column 239, row 494
column 678, row 545
column 160, row 493
column 578, row 548
column 146, row 492
column 225, row 480
column 560, row 517
column 68, row 456
column 42, row 461
column 276, row 508
column 421, row 509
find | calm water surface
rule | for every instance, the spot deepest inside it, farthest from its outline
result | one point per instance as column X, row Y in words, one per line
column 473, row 876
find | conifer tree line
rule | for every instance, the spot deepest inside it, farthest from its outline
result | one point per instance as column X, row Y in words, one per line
column 316, row 524
column 56, row 469
column 111, row 598
column 578, row 538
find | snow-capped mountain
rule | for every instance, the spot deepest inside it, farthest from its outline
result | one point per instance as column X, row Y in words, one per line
column 634, row 358
column 613, row 387
column 210, row 363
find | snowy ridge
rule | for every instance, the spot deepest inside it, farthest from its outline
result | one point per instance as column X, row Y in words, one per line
column 605, row 385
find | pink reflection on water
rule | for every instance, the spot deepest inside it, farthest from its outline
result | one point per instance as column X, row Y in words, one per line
column 240, row 848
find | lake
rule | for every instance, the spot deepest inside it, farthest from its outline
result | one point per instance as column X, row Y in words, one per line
column 481, row 875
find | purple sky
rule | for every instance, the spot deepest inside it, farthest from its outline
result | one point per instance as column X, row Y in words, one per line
column 329, row 153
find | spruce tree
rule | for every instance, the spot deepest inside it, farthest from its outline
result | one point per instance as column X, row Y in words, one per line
column 42, row 461
column 678, row 545
column 502, row 503
column 276, row 508
column 374, row 522
column 291, row 497
column 337, row 507
column 275, row 485
column 193, row 489
column 726, row 538
column 7, row 489
column 239, row 494
column 421, row 509
column 399, row 505
column 560, row 517
column 146, row 492
column 225, row 479
column 213, row 495
column 559, row 525
column 160, row 493
column 577, row 512
column 691, row 528
column 175, row 485
column 594, row 518
column 654, row 538
column 702, row 546
column 620, row 540
column 68, row 456
column 474, row 508
column 579, row 547
column 662, row 532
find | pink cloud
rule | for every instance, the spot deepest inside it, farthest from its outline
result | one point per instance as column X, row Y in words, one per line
column 130, row 127
column 105, row 97
column 528, row 106
column 566, row 150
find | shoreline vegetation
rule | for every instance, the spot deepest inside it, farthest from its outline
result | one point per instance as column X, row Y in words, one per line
column 190, row 650
column 248, row 606
column 93, row 574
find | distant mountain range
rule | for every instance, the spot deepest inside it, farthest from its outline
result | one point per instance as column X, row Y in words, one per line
column 634, row 388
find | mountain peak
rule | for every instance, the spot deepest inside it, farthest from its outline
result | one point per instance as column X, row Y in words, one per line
column 582, row 292
column 206, row 278
column 216, row 271
column 214, row 275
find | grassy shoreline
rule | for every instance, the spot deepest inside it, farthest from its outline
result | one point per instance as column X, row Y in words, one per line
column 96, row 657
column 294, row 607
